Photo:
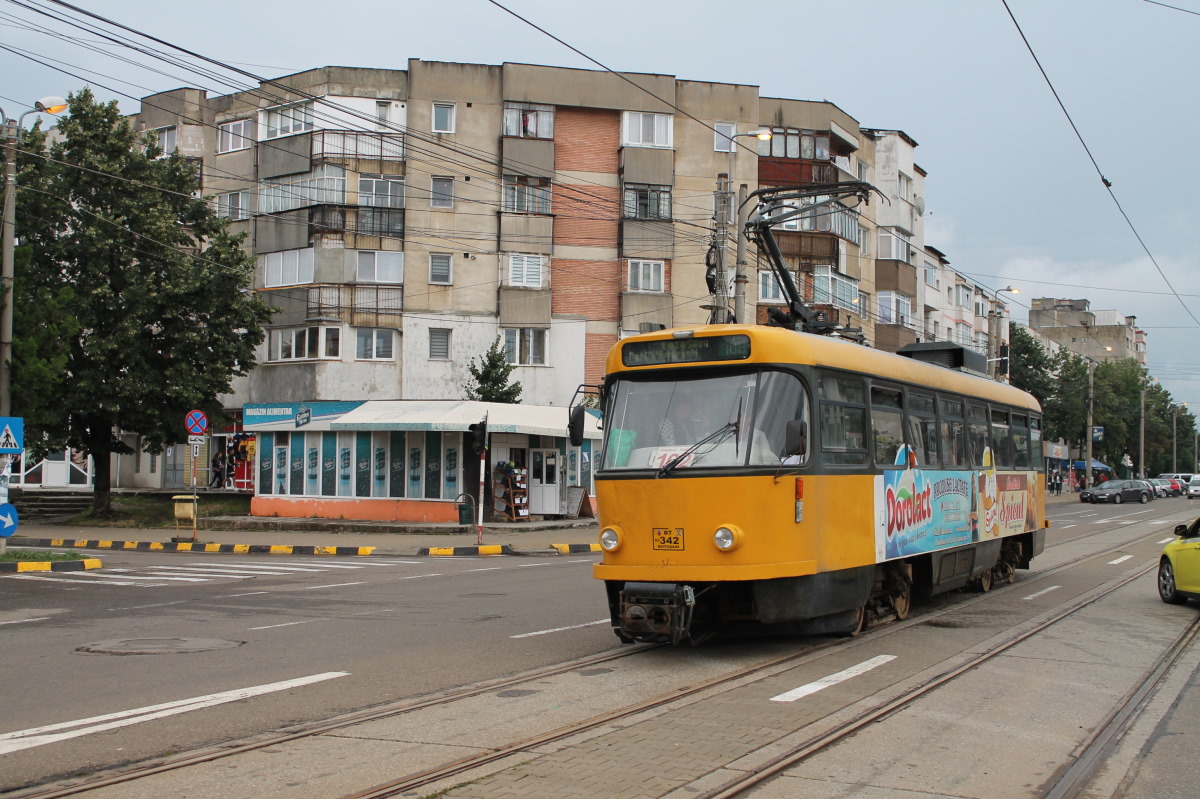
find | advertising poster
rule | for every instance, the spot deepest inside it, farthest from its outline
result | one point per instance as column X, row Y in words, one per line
column 922, row 510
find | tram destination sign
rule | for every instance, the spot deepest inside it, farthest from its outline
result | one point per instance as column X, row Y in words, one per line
column 686, row 350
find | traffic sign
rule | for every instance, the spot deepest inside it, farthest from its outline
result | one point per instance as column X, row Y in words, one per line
column 195, row 439
column 12, row 434
column 196, row 422
column 8, row 520
column 195, row 450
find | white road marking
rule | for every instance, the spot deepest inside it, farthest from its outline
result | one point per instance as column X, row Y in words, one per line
column 1065, row 526
column 156, row 605
column 241, row 567
column 39, row 736
column 333, row 585
column 77, row 582
column 488, row 569
column 1166, row 540
column 134, row 577
column 560, row 629
column 23, row 621
column 174, row 572
column 832, row 679
column 232, row 596
column 1043, row 591
column 1121, row 559
column 286, row 624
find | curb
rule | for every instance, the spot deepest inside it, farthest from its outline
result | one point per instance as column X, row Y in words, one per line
column 572, row 549
column 494, row 549
column 49, row 565
column 155, row 546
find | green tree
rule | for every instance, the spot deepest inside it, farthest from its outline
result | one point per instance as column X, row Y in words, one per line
column 1029, row 366
column 491, row 372
column 135, row 304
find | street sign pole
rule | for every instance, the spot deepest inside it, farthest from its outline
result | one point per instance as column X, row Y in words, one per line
column 196, row 423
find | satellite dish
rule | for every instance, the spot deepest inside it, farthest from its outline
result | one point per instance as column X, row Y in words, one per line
column 919, row 204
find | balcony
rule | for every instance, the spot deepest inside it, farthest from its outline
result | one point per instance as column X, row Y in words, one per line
column 357, row 304
column 357, row 227
column 357, row 145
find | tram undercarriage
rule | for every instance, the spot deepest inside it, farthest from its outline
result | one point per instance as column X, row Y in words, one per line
column 843, row 602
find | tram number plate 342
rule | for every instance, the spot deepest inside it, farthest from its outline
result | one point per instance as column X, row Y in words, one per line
column 670, row 538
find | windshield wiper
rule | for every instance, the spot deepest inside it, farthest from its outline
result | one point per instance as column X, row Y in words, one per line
column 717, row 434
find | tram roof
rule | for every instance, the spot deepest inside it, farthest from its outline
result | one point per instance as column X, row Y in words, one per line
column 772, row 345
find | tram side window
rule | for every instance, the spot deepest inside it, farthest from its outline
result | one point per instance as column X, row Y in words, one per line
column 977, row 434
column 887, row 425
column 1020, row 440
column 1035, row 443
column 922, row 428
column 953, row 434
column 1002, row 443
column 843, row 420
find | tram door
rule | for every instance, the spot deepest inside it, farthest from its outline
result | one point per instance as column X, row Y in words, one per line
column 543, row 481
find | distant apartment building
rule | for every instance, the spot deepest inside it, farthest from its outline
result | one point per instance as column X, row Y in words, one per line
column 1099, row 335
column 961, row 310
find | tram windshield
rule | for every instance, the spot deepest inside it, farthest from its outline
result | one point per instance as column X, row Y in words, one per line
column 732, row 420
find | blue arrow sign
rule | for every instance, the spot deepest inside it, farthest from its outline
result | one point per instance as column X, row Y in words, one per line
column 12, row 434
column 8, row 520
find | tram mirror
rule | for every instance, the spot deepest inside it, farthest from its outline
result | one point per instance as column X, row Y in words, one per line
column 795, row 438
column 575, row 426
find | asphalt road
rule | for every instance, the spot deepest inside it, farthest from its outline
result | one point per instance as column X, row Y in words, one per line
column 395, row 627
column 364, row 631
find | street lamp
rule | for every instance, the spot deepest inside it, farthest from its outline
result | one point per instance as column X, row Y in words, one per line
column 739, row 280
column 1142, row 432
column 1174, row 439
column 46, row 105
column 995, row 337
column 1091, row 402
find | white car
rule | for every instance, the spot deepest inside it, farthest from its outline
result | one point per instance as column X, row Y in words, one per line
column 1193, row 489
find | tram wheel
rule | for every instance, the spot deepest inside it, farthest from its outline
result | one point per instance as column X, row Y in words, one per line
column 860, row 621
column 902, row 604
column 1005, row 573
column 984, row 582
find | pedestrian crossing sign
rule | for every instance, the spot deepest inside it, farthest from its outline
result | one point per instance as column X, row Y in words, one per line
column 12, row 435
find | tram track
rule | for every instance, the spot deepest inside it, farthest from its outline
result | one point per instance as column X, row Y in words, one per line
column 491, row 757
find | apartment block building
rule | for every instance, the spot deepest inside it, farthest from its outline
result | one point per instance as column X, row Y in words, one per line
column 1100, row 335
column 404, row 220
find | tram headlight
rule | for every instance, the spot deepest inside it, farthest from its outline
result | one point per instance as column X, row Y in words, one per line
column 727, row 538
column 610, row 539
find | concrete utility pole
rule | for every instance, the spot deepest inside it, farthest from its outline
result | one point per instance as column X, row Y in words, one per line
column 1087, row 465
column 720, row 311
column 740, row 280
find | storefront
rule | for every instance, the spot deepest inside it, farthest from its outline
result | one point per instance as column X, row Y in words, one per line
column 408, row 460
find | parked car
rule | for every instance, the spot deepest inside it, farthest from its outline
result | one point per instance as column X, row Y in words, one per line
column 1179, row 486
column 1160, row 487
column 1170, row 486
column 1193, row 489
column 1179, row 566
column 1150, row 486
column 1118, row 491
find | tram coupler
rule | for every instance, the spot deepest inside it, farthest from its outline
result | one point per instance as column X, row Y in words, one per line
column 655, row 612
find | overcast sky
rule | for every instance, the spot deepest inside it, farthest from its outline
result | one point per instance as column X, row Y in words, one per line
column 1012, row 196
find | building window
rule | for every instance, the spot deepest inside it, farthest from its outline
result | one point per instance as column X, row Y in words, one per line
column 288, row 119
column 962, row 334
column 234, row 206
column 646, row 202
column 525, row 346
column 166, row 140
column 769, row 289
column 905, row 186
column 233, row 136
column 832, row 288
column 373, row 343
column 325, row 185
column 529, row 121
column 288, row 268
column 381, row 191
column 723, row 136
column 380, row 267
column 526, row 270
column 441, row 194
column 646, row 275
column 642, row 129
column 962, row 296
column 525, row 195
column 441, row 268
column 795, row 143
column 864, row 171
column 439, row 344
column 443, row 117
column 864, row 241
column 303, row 343
column 931, row 275
column 893, row 245
column 386, row 222
column 894, row 309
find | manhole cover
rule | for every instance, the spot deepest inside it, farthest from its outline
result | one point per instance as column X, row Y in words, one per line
column 157, row 646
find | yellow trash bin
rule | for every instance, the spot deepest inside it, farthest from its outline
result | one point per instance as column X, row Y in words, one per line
column 185, row 508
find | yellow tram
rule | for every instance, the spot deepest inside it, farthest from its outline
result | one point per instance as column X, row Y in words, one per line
column 756, row 477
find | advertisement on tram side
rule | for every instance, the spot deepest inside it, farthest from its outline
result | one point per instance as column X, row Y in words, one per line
column 920, row 510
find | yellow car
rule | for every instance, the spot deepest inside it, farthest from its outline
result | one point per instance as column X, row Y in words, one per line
column 1179, row 568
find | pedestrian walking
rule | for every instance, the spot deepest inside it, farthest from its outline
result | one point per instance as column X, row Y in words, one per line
column 218, row 471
